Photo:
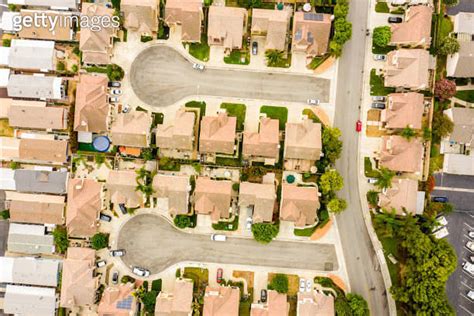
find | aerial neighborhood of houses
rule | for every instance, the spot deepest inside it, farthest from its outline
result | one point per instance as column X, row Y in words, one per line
column 178, row 157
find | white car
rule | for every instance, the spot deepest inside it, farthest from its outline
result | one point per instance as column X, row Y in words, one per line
column 468, row 267
column 380, row 57
column 248, row 223
column 199, row 67
column 470, row 246
column 113, row 99
column 141, row 272
column 217, row 237
column 101, row 263
column 372, row 180
column 116, row 92
column 313, row 101
column 443, row 232
column 470, row 295
column 302, row 285
column 471, row 234
column 309, row 285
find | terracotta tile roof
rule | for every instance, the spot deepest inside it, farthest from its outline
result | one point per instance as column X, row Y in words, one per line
column 463, row 131
column 303, row 140
column 399, row 154
column 265, row 143
column 187, row 13
column 226, row 26
column 83, row 207
column 402, row 195
column 60, row 32
column 407, row 68
column 36, row 208
column 78, row 282
column 314, row 303
column 221, row 301
column 179, row 302
column 121, row 185
column 54, row 151
column 403, row 109
column 178, row 135
column 35, row 114
column 277, row 305
column 217, row 134
column 274, row 25
column 311, row 32
column 175, row 189
column 213, row 197
column 92, row 108
column 114, row 299
column 261, row 196
column 416, row 29
column 140, row 15
column 299, row 204
column 131, row 129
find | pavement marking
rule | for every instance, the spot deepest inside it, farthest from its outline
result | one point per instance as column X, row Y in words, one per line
column 465, row 309
column 466, row 285
column 454, row 189
column 468, row 225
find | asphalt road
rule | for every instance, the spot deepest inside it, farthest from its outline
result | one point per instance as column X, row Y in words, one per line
column 459, row 189
column 161, row 76
column 358, row 251
column 151, row 242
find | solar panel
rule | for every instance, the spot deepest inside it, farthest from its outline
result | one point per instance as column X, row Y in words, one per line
column 313, row 17
column 126, row 303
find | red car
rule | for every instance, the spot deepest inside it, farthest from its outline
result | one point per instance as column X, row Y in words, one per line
column 358, row 126
column 219, row 275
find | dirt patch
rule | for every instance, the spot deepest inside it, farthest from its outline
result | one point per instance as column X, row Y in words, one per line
column 5, row 129
column 319, row 233
column 247, row 275
column 374, row 131
column 293, row 283
column 338, row 281
column 373, row 115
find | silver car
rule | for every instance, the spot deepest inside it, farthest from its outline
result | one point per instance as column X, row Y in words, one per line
column 199, row 67
column 380, row 57
column 142, row 272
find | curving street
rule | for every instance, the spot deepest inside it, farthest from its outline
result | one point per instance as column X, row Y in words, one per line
column 161, row 76
column 151, row 242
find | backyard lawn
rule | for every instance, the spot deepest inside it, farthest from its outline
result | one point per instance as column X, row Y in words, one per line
column 277, row 113
column 238, row 58
column 228, row 226
column 200, row 50
column 466, row 95
column 382, row 7
column 368, row 170
column 197, row 104
column 237, row 110
column 5, row 129
column 377, row 84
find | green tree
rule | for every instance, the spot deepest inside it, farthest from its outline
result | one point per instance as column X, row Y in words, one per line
column 342, row 307
column 279, row 283
column 448, row 46
column 332, row 145
column 373, row 197
column 254, row 3
column 274, row 57
column 149, row 301
column 382, row 36
column 264, row 232
column 335, row 49
column 7, row 42
column 342, row 31
column 147, row 154
column 60, row 66
column 358, row 305
column 331, row 181
column 450, row 3
column 115, row 72
column 408, row 133
column 61, row 241
column 5, row 214
column 74, row 68
column 100, row 241
column 182, row 221
column 337, row 205
column 384, row 179
column 442, row 125
column 341, row 10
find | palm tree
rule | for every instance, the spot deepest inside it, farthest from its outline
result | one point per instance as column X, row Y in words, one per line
column 384, row 179
column 274, row 57
column 408, row 133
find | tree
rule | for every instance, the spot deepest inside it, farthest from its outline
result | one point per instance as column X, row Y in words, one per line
column 335, row 48
column 60, row 239
column 382, row 36
column 449, row 45
column 100, row 241
column 147, row 154
column 274, row 57
column 451, row 3
column 342, row 31
column 264, row 232
column 445, row 89
column 279, row 283
column 331, row 181
column 254, row 3
column 337, row 205
column 442, row 125
column 341, row 10
column 332, row 145
column 182, row 221
column 149, row 301
column 342, row 307
column 358, row 305
column 5, row 214
column 115, row 72
column 408, row 133
column 373, row 197
column 385, row 178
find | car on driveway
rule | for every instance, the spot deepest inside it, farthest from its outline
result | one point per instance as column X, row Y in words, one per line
column 123, row 209
column 114, row 84
column 378, row 105
column 115, row 277
column 105, row 218
column 313, row 101
column 219, row 275
column 440, row 199
column 254, row 48
column 372, row 180
column 263, row 295
column 248, row 223
column 117, row 253
column 395, row 19
column 378, row 98
column 101, row 263
column 309, row 285
column 113, row 99
column 470, row 245
column 358, row 126
column 380, row 57
column 302, row 285
column 199, row 67
column 142, row 272
column 116, row 91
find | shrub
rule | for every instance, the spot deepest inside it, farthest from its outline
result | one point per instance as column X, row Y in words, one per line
column 178, row 273
column 7, row 42
column 358, row 305
column 60, row 66
column 182, row 221
column 442, row 125
column 156, row 285
column 74, row 68
column 146, row 38
column 100, row 241
column 5, row 214
column 264, row 232
column 448, row 46
column 337, row 205
column 445, row 89
column 149, row 301
column 235, row 186
column 127, row 279
column 382, row 36
column 373, row 197
column 279, row 283
column 60, row 239
column 115, row 72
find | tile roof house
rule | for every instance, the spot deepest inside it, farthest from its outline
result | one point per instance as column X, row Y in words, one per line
column 121, row 188
column 29, row 239
column 415, row 30
column 131, row 129
column 40, row 181
column 402, row 196
column 36, row 115
column 118, row 301
column 303, row 145
column 273, row 25
column 140, row 15
column 92, row 107
column 226, row 27
column 461, row 63
column 96, row 46
column 218, row 134
column 400, row 154
column 188, row 14
column 84, row 203
column 221, row 301
column 311, row 33
column 51, row 4
column 260, row 197
column 175, row 190
column 402, row 110
column 299, row 204
column 29, row 300
column 78, row 284
column 35, row 208
column 180, row 134
column 31, row 55
column 35, row 87
column 178, row 303
column 34, row 150
column 277, row 305
column 29, row 271
column 213, row 197
column 265, row 143
column 407, row 68
column 48, row 31
column 315, row 303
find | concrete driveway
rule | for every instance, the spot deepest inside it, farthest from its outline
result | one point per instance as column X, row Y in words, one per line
column 161, row 76
column 151, row 242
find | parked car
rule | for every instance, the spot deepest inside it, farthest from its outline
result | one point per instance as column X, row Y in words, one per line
column 123, row 209
column 115, row 277
column 471, row 234
column 470, row 295
column 142, row 272
column 379, row 98
column 113, row 99
column 372, row 180
column 470, row 245
column 219, row 274
column 114, row 84
column 380, row 57
column 217, row 237
column 199, row 67
column 471, row 258
column 442, row 220
column 117, row 253
column 313, row 101
column 263, row 295
column 309, row 285
column 126, row 108
column 378, row 105
column 468, row 267
column 254, row 48
column 440, row 199
column 395, row 19
column 443, row 232
column 101, row 263
column 358, row 126
column 105, row 218
column 302, row 285
column 248, row 223
column 116, row 91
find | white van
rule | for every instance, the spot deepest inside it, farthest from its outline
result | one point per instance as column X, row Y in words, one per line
column 217, row 237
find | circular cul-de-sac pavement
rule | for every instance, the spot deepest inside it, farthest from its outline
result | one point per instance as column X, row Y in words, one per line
column 161, row 76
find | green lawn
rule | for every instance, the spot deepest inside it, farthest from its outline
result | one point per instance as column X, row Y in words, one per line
column 311, row 115
column 445, row 27
column 276, row 112
column 200, row 50
column 228, row 226
column 197, row 104
column 224, row 161
column 369, row 172
column 377, row 85
column 237, row 110
column 323, row 216
column 238, row 58
column 382, row 7
column 283, row 63
column 382, row 50
column 466, row 95
column 317, row 61
column 199, row 276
